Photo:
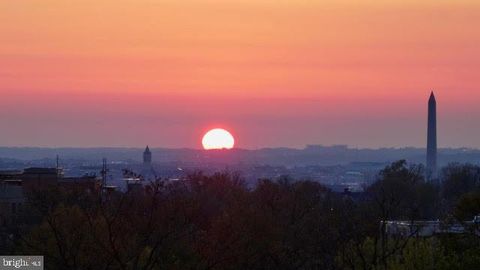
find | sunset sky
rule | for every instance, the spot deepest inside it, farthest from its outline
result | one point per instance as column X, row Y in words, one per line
column 273, row 72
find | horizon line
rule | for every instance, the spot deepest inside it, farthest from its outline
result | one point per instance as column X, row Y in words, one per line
column 238, row 148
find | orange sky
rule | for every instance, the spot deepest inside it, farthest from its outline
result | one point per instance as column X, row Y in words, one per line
column 278, row 73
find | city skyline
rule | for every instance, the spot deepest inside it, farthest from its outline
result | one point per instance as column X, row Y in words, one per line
column 239, row 134
column 274, row 73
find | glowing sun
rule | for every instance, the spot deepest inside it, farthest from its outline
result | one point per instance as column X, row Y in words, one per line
column 218, row 138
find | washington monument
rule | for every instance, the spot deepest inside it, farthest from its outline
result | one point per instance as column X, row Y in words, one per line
column 431, row 171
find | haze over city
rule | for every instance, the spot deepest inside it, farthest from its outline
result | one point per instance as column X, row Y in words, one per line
column 273, row 73
column 240, row 134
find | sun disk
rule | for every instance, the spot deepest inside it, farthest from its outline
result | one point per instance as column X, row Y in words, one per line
column 218, row 138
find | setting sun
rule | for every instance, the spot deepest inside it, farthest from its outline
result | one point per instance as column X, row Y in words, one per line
column 218, row 139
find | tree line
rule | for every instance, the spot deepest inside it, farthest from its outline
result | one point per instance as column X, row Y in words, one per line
column 217, row 222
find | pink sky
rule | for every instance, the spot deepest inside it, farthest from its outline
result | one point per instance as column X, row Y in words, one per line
column 275, row 73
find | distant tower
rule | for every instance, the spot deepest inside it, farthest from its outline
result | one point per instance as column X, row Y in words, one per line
column 147, row 156
column 432, row 139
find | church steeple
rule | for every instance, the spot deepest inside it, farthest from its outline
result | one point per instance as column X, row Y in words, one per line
column 147, row 156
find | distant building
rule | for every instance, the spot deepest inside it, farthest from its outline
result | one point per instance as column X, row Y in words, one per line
column 34, row 178
column 11, row 199
column 10, row 174
column 431, row 170
column 134, row 185
column 88, row 183
column 15, row 186
column 147, row 156
column 39, row 178
column 430, row 228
